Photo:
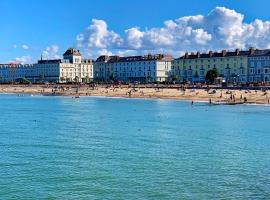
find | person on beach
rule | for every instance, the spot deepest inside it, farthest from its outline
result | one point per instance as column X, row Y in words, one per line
column 210, row 101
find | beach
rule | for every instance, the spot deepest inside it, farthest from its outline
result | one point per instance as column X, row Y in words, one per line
column 145, row 91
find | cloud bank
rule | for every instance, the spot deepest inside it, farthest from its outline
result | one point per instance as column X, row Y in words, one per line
column 221, row 28
column 21, row 60
column 51, row 52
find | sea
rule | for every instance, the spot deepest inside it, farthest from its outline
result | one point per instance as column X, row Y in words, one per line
column 117, row 148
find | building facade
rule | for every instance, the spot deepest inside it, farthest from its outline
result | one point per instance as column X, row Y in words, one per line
column 15, row 72
column 236, row 66
column 232, row 65
column 259, row 66
column 72, row 68
column 149, row 68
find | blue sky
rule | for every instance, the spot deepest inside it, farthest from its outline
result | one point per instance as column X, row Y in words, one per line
column 32, row 27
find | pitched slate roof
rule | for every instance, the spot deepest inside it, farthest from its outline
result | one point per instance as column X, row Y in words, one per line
column 224, row 53
column 72, row 51
column 112, row 59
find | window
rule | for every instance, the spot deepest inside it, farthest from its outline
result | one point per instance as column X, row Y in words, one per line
column 201, row 72
column 241, row 71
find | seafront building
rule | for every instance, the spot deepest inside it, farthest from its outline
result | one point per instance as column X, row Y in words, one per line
column 72, row 68
column 148, row 68
column 251, row 66
column 259, row 66
column 15, row 72
column 232, row 65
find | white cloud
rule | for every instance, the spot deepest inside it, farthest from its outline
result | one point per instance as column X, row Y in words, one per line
column 104, row 52
column 22, row 60
column 220, row 28
column 134, row 38
column 24, row 46
column 51, row 52
column 15, row 46
column 97, row 35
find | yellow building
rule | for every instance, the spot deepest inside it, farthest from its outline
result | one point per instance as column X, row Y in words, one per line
column 232, row 65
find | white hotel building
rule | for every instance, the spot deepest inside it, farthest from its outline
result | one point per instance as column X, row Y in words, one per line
column 72, row 68
column 149, row 68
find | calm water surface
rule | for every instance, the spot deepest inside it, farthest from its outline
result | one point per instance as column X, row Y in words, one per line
column 105, row 148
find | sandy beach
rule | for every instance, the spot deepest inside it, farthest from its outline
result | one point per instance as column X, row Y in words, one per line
column 142, row 91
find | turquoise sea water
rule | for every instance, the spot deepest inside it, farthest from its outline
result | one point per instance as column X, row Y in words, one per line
column 107, row 148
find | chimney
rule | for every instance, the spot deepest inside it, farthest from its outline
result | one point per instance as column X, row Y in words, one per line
column 198, row 54
column 223, row 53
column 186, row 55
column 237, row 51
column 251, row 50
column 210, row 53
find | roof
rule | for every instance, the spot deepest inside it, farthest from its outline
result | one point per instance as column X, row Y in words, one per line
column 107, row 58
column 49, row 61
column 72, row 51
column 11, row 65
column 215, row 54
column 113, row 59
column 259, row 52
column 87, row 61
column 224, row 53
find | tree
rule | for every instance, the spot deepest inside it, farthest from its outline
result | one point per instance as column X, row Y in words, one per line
column 25, row 80
column 86, row 79
column 62, row 79
column 76, row 79
column 211, row 75
column 175, row 77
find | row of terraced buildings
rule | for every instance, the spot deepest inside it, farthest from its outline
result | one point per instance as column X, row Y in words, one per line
column 250, row 66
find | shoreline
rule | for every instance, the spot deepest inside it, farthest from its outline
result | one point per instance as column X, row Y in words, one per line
column 141, row 98
column 215, row 96
column 190, row 99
